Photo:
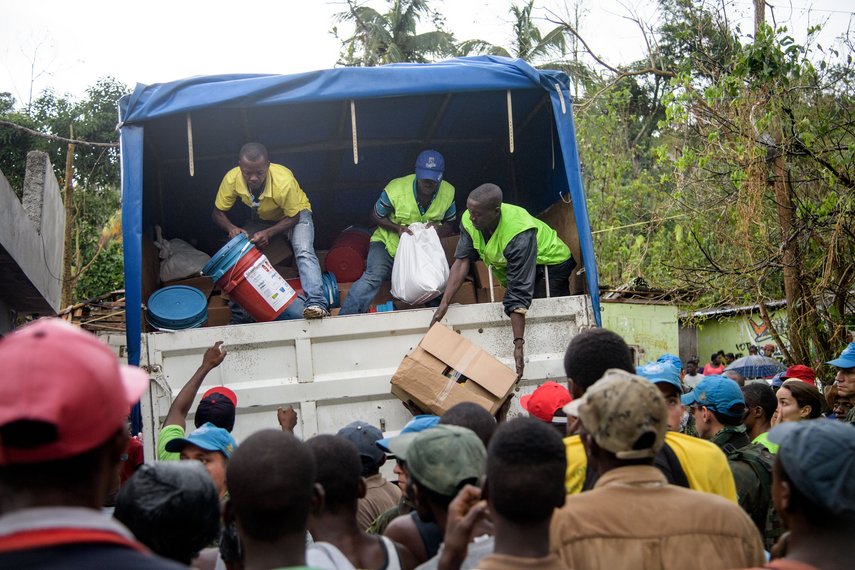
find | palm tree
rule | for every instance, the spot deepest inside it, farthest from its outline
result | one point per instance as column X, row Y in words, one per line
column 391, row 37
column 528, row 41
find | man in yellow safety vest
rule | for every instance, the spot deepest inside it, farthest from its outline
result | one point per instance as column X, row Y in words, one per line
column 524, row 253
column 420, row 197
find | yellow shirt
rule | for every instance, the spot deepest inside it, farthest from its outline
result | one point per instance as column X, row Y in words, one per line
column 704, row 464
column 282, row 196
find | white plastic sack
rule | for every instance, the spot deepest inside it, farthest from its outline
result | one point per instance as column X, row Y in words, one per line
column 421, row 270
column 179, row 259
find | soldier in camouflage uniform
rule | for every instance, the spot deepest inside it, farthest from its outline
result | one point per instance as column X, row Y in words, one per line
column 845, row 378
column 718, row 407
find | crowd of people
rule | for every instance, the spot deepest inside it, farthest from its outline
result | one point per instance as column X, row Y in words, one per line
column 622, row 467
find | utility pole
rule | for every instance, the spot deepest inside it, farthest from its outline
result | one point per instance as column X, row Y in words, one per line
column 68, row 281
column 759, row 15
column 791, row 258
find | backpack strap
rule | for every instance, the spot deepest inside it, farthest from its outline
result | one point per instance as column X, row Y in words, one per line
column 668, row 462
column 591, row 477
column 46, row 538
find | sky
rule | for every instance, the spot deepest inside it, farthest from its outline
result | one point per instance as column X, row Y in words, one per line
column 68, row 46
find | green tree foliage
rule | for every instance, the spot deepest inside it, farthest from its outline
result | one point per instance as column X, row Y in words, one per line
column 391, row 37
column 722, row 167
column 762, row 149
column 695, row 37
column 640, row 233
column 13, row 143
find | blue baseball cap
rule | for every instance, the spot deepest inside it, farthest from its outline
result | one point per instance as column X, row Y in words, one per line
column 819, row 458
column 777, row 380
column 208, row 437
column 415, row 425
column 846, row 358
column 661, row 372
column 719, row 394
column 430, row 165
column 671, row 359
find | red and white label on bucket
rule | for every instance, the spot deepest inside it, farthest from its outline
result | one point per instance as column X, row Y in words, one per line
column 269, row 284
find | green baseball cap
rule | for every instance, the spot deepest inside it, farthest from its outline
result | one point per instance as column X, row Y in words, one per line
column 443, row 457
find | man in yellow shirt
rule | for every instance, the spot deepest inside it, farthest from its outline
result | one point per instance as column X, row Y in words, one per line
column 685, row 461
column 280, row 208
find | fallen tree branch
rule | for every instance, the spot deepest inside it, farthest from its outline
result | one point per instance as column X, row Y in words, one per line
column 619, row 73
column 54, row 137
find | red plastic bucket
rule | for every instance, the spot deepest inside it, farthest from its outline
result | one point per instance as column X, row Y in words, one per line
column 295, row 284
column 346, row 257
column 253, row 284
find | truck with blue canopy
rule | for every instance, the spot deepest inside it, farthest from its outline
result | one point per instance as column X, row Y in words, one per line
column 345, row 133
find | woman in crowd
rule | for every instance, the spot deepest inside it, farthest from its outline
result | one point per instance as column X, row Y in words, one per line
column 798, row 400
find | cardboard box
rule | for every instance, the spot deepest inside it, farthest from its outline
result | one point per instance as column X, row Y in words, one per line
column 342, row 290
column 449, row 245
column 202, row 283
column 218, row 316
column 322, row 258
column 219, row 312
column 483, row 295
column 402, row 306
column 482, row 276
column 384, row 294
column 466, row 294
column 560, row 217
column 217, row 300
column 287, row 272
column 446, row 369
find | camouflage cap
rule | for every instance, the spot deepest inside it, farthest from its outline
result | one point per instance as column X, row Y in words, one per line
column 443, row 457
column 618, row 410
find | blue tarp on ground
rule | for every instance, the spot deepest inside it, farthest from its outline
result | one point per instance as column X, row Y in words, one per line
column 459, row 107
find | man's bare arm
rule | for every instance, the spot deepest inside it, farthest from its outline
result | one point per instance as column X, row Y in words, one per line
column 224, row 223
column 388, row 224
column 262, row 238
column 180, row 407
column 459, row 271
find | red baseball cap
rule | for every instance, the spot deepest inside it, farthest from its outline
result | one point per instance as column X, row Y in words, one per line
column 801, row 372
column 546, row 400
column 63, row 376
column 224, row 391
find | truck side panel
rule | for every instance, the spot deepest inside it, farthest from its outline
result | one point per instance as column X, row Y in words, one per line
column 337, row 370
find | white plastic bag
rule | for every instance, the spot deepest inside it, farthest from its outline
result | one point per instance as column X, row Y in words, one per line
column 179, row 259
column 421, row 270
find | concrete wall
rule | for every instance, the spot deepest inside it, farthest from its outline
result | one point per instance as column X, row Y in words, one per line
column 736, row 333
column 7, row 318
column 31, row 240
column 650, row 329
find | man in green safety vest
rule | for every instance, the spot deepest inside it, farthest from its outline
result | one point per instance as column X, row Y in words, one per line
column 420, row 197
column 525, row 255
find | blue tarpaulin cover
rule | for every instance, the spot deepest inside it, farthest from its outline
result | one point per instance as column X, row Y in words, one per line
column 345, row 133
